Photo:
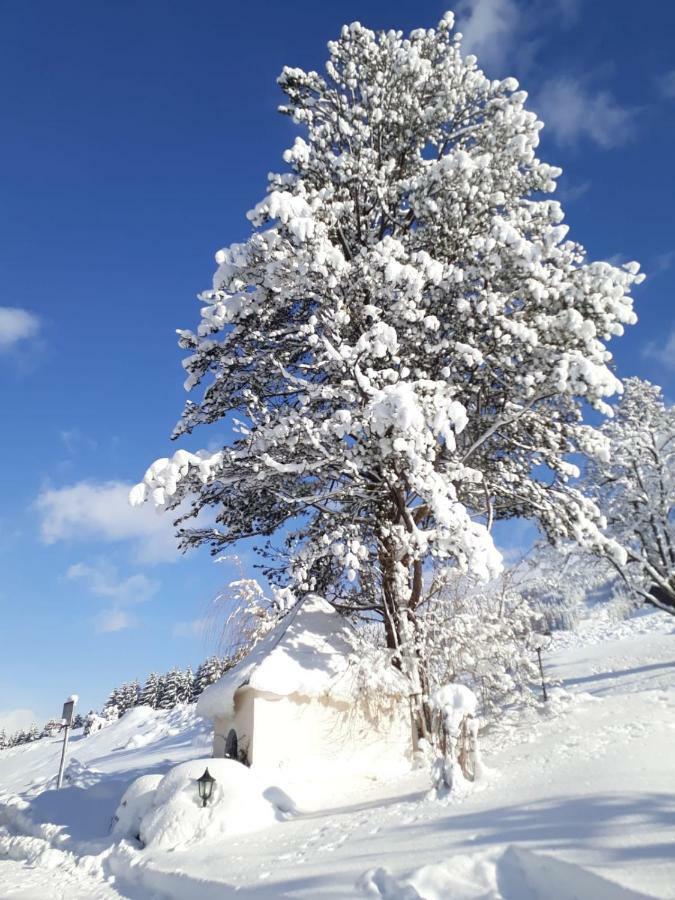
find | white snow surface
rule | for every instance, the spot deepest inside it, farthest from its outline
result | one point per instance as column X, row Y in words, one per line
column 577, row 802
column 312, row 651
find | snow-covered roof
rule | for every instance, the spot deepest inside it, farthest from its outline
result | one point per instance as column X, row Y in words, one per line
column 313, row 651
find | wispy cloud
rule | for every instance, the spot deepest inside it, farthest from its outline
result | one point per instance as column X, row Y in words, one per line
column 568, row 10
column 568, row 193
column 572, row 112
column 663, row 262
column 493, row 29
column 103, row 580
column 16, row 325
column 111, row 620
column 663, row 354
column 197, row 628
column 488, row 28
column 666, row 84
column 91, row 511
column 74, row 440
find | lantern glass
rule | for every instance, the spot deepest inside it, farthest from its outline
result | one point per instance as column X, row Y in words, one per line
column 205, row 786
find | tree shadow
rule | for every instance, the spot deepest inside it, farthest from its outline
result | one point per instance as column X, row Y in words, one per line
column 572, row 822
column 619, row 673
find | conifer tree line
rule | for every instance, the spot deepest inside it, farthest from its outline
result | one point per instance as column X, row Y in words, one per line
column 160, row 691
column 167, row 690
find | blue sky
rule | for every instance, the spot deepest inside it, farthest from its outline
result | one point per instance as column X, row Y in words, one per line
column 135, row 138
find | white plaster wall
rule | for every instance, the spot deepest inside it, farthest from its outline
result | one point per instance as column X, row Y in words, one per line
column 366, row 736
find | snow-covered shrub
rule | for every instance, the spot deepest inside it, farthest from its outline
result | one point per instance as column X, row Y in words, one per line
column 478, row 636
column 94, row 723
column 241, row 802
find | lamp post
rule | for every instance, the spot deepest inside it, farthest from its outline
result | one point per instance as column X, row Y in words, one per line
column 66, row 724
column 205, row 786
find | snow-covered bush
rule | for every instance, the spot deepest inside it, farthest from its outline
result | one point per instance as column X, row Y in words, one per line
column 478, row 636
column 94, row 723
column 240, row 803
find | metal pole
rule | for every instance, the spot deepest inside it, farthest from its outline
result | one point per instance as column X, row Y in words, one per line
column 541, row 672
column 59, row 781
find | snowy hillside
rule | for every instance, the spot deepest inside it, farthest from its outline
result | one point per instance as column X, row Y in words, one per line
column 578, row 802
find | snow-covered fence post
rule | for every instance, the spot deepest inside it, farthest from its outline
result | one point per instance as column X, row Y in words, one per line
column 66, row 722
column 541, row 672
column 538, row 647
column 457, row 706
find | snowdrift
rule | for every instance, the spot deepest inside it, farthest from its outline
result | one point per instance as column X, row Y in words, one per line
column 166, row 811
column 511, row 874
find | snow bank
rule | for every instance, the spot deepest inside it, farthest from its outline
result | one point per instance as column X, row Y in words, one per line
column 240, row 803
column 510, row 874
column 312, row 652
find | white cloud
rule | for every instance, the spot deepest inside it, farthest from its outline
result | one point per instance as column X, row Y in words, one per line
column 667, row 84
column 196, row 628
column 103, row 580
column 16, row 325
column 113, row 620
column 568, row 193
column 12, row 720
column 488, row 28
column 89, row 511
column 572, row 112
column 664, row 354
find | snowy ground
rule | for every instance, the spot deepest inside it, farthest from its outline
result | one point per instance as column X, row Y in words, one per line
column 587, row 784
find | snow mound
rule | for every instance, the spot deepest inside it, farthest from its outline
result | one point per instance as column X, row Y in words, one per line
column 241, row 803
column 312, row 651
column 510, row 874
column 136, row 801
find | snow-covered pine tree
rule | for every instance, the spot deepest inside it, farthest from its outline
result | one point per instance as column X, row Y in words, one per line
column 171, row 688
column 405, row 342
column 132, row 692
column 113, row 705
column 161, row 684
column 632, row 479
column 3, row 739
column 150, row 694
column 207, row 673
column 121, row 698
column 184, row 686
